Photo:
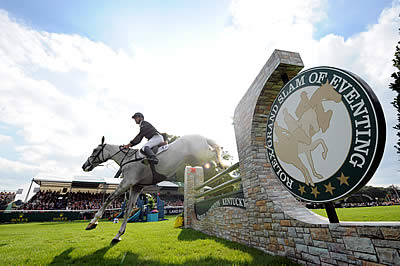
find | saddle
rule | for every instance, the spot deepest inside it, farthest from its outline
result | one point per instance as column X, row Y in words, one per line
column 158, row 149
column 157, row 177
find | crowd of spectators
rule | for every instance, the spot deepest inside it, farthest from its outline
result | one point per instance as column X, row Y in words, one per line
column 6, row 198
column 355, row 204
column 371, row 204
column 174, row 203
column 53, row 200
column 172, row 200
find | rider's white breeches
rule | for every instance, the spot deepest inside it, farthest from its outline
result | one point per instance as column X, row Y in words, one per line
column 154, row 141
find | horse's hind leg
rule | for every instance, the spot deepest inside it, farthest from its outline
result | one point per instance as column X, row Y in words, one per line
column 121, row 189
column 133, row 195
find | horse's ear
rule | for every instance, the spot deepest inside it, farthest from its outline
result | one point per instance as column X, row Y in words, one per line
column 102, row 140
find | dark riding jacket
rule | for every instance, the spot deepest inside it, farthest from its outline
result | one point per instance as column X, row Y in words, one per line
column 146, row 130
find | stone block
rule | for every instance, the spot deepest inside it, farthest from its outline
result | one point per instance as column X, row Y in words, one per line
column 289, row 251
column 336, row 247
column 360, row 244
column 311, row 258
column 365, row 256
column 322, row 252
column 301, row 248
column 328, row 261
column 370, row 232
column 307, row 239
column 320, row 234
column 351, row 231
column 268, row 226
column 292, row 232
column 299, row 240
column 320, row 244
column 391, row 233
column 278, row 216
column 338, row 256
column 386, row 243
column 369, row 263
column 260, row 202
column 388, row 255
column 285, row 223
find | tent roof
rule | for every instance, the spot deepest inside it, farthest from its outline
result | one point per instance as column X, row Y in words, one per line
column 167, row 184
column 61, row 182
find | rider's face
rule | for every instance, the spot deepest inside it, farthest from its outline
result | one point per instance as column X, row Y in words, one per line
column 137, row 120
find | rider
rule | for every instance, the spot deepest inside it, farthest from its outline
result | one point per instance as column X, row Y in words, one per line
column 150, row 133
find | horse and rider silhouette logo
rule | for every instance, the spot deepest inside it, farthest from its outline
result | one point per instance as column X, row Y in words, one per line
column 322, row 134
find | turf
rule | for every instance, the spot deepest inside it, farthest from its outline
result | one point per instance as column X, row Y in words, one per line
column 155, row 243
column 366, row 214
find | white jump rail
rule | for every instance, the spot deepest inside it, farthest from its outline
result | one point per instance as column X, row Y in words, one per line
column 216, row 178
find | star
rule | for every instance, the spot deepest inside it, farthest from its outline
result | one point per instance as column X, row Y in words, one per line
column 315, row 191
column 329, row 188
column 343, row 179
column 301, row 189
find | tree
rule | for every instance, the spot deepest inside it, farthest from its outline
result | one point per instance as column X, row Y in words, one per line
column 169, row 138
column 395, row 86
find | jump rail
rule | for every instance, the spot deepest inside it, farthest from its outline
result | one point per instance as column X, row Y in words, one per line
column 216, row 178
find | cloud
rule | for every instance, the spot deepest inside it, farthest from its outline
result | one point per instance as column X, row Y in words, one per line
column 63, row 92
column 4, row 138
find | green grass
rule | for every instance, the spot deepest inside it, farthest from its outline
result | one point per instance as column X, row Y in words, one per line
column 366, row 214
column 156, row 243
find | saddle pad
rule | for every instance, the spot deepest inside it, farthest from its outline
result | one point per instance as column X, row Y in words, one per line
column 162, row 148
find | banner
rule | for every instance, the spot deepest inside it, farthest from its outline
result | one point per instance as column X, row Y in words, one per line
column 233, row 199
column 18, row 217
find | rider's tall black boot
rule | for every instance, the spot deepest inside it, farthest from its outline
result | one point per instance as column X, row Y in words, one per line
column 150, row 155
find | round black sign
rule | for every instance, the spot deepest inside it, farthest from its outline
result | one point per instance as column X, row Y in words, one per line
column 325, row 134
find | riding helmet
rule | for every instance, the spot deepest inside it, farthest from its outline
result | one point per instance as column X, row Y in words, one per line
column 140, row 115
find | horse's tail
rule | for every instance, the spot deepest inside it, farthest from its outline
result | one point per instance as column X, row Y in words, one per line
column 217, row 149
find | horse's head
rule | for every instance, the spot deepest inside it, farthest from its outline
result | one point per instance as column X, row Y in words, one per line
column 329, row 93
column 96, row 158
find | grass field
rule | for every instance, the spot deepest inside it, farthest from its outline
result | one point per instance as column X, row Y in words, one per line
column 156, row 243
column 366, row 214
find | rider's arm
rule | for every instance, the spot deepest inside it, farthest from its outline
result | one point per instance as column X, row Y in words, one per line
column 136, row 140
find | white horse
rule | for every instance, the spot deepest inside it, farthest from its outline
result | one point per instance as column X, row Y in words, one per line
column 190, row 149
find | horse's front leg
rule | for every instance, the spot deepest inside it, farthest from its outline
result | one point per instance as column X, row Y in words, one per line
column 133, row 195
column 93, row 223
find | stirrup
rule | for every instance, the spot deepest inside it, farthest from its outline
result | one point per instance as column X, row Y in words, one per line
column 153, row 159
column 149, row 160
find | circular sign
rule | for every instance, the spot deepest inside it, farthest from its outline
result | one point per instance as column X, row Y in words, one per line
column 325, row 134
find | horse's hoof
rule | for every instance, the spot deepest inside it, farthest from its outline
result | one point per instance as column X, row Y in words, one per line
column 91, row 226
column 115, row 241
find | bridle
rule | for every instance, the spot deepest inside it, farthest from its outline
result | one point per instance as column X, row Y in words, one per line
column 92, row 159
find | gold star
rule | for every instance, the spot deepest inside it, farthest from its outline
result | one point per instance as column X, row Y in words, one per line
column 329, row 188
column 314, row 190
column 343, row 179
column 301, row 189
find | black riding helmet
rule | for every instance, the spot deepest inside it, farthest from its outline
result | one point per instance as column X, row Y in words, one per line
column 140, row 115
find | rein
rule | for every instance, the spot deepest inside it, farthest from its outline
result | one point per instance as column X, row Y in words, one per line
column 118, row 173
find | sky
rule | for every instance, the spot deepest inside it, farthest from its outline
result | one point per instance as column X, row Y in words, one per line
column 74, row 71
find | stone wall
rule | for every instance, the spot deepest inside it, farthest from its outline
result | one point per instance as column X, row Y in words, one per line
column 274, row 220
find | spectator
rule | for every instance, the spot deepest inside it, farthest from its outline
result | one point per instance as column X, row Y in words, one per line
column 51, row 200
column 6, row 198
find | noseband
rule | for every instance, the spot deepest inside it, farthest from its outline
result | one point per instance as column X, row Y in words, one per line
column 97, row 156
